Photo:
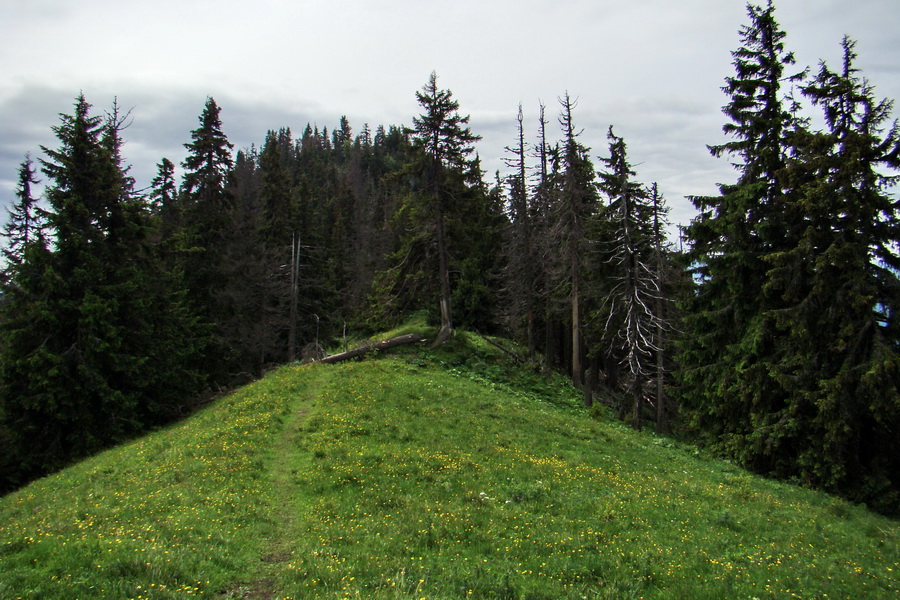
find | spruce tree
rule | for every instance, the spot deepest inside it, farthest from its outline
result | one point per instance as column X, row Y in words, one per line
column 443, row 138
column 274, row 242
column 474, row 226
column 95, row 347
column 208, row 163
column 838, row 344
column 207, row 204
column 670, row 278
column 574, row 207
column 23, row 305
column 522, row 263
column 725, row 360
column 164, row 198
column 25, row 224
column 254, row 289
column 541, row 200
column 276, row 187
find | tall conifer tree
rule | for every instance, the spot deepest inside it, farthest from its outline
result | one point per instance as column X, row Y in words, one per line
column 164, row 198
column 207, row 206
column 25, row 225
column 575, row 205
column 522, row 262
column 443, row 137
column 839, row 362
column 725, row 359
column 94, row 347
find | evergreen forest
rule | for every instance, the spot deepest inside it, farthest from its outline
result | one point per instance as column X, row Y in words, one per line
column 767, row 333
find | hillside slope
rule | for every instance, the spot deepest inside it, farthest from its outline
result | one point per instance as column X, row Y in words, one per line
column 446, row 474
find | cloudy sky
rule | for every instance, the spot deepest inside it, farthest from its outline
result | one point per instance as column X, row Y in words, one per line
column 651, row 68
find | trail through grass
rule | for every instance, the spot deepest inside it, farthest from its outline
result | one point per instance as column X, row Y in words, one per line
column 445, row 474
column 181, row 513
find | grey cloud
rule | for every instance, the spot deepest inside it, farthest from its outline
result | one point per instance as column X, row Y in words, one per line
column 160, row 125
column 651, row 68
column 31, row 112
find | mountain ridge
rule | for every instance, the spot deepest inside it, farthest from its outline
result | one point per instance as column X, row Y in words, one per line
column 446, row 473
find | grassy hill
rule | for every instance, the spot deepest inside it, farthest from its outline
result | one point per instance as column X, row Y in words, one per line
column 428, row 474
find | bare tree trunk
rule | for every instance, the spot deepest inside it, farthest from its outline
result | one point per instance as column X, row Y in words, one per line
column 295, row 276
column 590, row 384
column 576, row 325
column 530, row 332
column 446, row 331
column 662, row 422
column 515, row 356
column 526, row 231
column 637, row 393
column 548, row 342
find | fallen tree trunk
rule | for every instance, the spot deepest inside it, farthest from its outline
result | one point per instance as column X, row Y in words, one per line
column 515, row 356
column 410, row 338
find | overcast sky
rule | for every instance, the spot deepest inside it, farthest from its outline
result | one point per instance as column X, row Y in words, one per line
column 651, row 68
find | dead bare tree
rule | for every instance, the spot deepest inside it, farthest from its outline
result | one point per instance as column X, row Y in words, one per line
column 635, row 300
column 663, row 308
column 521, row 264
column 295, row 296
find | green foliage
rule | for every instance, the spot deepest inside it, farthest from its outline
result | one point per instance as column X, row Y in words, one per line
column 208, row 163
column 93, row 330
column 724, row 377
column 572, row 205
column 206, row 204
column 25, row 225
column 164, row 199
column 441, row 132
column 448, row 220
column 838, row 348
column 791, row 361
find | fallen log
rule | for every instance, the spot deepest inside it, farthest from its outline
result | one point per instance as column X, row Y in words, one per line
column 410, row 338
column 515, row 356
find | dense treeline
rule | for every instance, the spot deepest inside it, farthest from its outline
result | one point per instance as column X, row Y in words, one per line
column 773, row 339
column 790, row 363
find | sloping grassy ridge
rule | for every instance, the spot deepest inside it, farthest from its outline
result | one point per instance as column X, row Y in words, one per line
column 446, row 474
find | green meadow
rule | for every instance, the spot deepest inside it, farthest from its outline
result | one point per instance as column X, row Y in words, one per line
column 449, row 473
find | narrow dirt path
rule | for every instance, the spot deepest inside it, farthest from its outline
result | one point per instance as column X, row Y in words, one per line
column 286, row 455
